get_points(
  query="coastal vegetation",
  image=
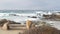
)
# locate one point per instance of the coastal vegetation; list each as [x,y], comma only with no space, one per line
[42,30]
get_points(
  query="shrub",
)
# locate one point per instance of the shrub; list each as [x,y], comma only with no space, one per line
[42,30]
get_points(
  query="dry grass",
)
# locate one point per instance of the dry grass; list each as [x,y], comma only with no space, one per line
[42,30]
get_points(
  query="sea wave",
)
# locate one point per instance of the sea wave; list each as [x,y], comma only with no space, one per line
[17,17]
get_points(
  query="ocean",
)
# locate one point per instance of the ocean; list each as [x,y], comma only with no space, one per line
[18,15]
[17,11]
[25,11]
[20,12]
[21,16]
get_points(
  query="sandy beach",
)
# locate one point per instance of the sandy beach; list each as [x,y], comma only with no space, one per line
[14,29]
[10,31]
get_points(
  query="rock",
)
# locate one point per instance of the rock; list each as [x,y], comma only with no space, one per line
[5,26]
[2,22]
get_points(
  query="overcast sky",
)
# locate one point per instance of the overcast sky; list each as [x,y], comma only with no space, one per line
[30,4]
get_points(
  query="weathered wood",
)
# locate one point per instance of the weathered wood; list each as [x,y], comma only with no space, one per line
[28,24]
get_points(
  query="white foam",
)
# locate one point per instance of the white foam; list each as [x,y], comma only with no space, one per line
[21,17]
[7,14]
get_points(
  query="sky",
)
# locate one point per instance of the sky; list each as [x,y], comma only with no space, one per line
[30,4]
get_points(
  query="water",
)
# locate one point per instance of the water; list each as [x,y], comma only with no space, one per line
[55,24]
[17,11]
[22,16]
[25,11]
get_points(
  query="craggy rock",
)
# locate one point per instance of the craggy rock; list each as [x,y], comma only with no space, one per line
[5,26]
[2,22]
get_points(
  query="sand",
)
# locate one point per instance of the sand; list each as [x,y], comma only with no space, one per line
[10,31]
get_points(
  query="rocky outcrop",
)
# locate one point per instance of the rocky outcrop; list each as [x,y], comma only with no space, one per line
[2,22]
[5,26]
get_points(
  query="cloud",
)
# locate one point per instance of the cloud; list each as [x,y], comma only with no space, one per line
[30,4]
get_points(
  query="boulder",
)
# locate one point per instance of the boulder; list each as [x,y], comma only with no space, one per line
[5,26]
